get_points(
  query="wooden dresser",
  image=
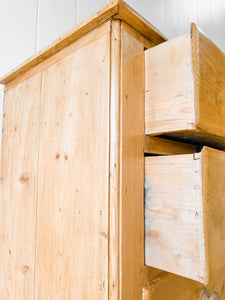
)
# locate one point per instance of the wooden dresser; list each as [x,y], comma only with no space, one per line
[79,151]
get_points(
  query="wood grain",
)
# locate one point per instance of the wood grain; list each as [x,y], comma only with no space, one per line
[208,67]
[170,286]
[82,42]
[126,254]
[131,164]
[170,225]
[72,213]
[89,229]
[185,90]
[213,170]
[169,103]
[18,189]
[140,24]
[161,146]
[114,183]
[69,37]
[174,220]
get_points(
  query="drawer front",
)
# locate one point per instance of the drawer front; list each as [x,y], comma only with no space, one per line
[185,89]
[184,214]
[174,231]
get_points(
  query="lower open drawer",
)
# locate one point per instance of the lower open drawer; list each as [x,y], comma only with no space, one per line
[185,214]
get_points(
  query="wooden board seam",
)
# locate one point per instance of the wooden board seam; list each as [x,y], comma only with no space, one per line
[114,160]
[38,153]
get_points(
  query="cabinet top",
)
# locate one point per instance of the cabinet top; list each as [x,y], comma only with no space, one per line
[116,9]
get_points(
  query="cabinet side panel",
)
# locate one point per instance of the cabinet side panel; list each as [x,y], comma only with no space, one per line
[72,223]
[18,189]
[132,164]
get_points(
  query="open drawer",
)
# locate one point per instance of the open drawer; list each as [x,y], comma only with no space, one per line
[185,90]
[185,214]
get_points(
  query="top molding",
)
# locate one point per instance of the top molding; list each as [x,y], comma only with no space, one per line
[116,9]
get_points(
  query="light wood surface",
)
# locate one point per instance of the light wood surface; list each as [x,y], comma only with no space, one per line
[184,213]
[174,230]
[18,190]
[169,286]
[169,87]
[126,163]
[115,8]
[114,183]
[72,210]
[209,66]
[213,168]
[91,193]
[185,83]
[131,224]
[161,146]
[69,37]
[127,14]
[79,44]
[85,194]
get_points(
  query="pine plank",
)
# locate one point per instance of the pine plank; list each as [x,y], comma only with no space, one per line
[131,164]
[114,181]
[184,216]
[72,211]
[185,84]
[174,229]
[18,189]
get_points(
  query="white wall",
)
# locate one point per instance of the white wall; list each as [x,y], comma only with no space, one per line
[26,26]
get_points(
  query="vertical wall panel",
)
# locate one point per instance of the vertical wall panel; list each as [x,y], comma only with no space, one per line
[140,6]
[204,16]
[55,17]
[170,17]
[186,13]
[218,23]
[156,14]
[87,7]
[17,32]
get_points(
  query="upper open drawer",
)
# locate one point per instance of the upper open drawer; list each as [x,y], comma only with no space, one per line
[185,89]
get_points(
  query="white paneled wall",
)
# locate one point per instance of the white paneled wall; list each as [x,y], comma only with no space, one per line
[87,7]
[27,26]
[54,17]
[18,32]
